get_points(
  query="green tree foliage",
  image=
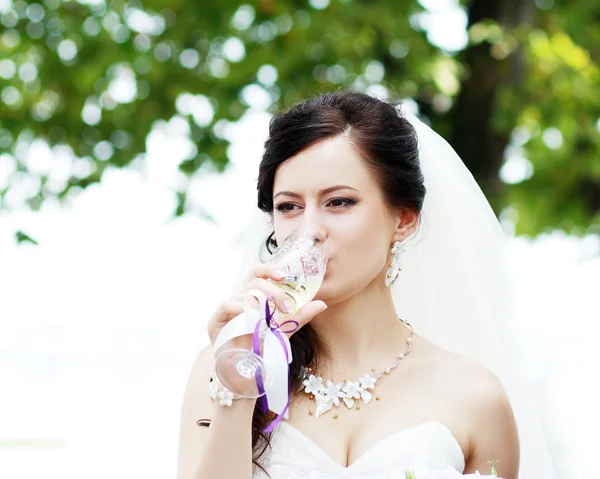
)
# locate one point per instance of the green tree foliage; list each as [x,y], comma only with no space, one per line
[519,102]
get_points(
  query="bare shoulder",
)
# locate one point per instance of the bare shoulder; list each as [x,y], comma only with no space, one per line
[473,385]
[480,400]
[469,377]
[493,428]
[479,388]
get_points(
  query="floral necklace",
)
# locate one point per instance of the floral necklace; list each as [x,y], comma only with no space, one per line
[350,392]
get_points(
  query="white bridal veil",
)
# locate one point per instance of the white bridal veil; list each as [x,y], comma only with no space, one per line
[454,285]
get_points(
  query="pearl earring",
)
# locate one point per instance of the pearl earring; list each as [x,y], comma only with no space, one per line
[395,265]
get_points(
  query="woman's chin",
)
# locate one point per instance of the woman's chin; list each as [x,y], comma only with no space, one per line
[326,293]
[321,294]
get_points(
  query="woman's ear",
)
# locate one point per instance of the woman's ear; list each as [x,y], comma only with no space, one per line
[407,220]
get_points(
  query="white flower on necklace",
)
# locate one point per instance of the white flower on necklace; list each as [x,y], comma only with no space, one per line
[313,384]
[333,392]
[367,381]
[353,391]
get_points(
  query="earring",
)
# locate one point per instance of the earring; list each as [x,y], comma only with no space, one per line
[395,264]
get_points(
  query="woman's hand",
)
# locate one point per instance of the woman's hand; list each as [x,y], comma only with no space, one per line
[258,279]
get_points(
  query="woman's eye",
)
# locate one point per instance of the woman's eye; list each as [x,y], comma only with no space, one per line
[284,207]
[335,203]
[341,202]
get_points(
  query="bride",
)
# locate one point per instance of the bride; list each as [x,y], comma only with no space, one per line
[415,294]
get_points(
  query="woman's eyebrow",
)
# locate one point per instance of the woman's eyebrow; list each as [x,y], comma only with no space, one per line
[321,193]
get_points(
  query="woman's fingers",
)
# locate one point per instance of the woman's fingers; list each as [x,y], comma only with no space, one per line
[223,314]
[281,298]
[230,308]
[264,271]
[307,312]
[262,277]
[303,316]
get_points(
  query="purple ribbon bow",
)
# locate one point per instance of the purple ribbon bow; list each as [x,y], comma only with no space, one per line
[277,330]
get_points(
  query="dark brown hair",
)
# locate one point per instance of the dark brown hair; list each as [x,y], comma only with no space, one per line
[387,143]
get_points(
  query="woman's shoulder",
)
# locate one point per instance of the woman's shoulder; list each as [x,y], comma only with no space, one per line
[449,362]
[469,381]
[474,397]
[472,385]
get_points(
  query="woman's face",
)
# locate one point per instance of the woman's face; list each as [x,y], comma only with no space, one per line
[328,186]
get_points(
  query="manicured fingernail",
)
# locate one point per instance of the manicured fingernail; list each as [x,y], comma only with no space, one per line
[287,305]
[278,272]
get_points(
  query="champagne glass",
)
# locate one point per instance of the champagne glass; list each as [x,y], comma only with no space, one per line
[302,260]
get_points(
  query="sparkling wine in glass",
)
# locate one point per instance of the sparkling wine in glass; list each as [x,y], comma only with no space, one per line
[302,261]
[301,258]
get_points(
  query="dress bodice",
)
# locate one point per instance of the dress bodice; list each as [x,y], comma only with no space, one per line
[423,447]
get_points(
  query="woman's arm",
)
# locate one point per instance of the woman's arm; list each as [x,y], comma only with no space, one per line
[494,430]
[223,450]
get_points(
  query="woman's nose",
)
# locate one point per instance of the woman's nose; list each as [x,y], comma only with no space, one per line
[312,218]
[318,231]
[313,221]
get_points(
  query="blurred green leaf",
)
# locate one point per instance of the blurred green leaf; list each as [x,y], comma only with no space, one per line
[95,79]
[24,238]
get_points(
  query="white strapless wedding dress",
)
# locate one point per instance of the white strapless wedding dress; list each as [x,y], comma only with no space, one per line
[421,448]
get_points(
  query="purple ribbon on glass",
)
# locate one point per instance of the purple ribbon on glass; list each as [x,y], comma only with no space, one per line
[270,341]
[276,329]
